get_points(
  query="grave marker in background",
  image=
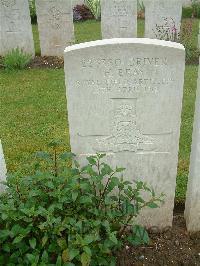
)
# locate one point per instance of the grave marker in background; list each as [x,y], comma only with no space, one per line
[192,209]
[55,24]
[118,19]
[124,99]
[163,19]
[15,26]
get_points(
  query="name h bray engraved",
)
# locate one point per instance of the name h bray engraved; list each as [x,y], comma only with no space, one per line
[125,83]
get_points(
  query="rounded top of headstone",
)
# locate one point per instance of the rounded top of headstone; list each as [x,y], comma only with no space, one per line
[142,41]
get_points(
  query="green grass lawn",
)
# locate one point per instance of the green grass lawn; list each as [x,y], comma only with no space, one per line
[33,108]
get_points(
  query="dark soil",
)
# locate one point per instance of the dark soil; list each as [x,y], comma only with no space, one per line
[174,246]
[52,62]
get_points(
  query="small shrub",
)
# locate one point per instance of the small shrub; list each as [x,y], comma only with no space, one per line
[95,8]
[70,215]
[16,59]
[82,12]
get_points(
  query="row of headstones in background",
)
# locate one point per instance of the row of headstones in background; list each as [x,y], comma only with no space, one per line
[162,18]
[118,19]
[2,168]
[55,22]
[15,26]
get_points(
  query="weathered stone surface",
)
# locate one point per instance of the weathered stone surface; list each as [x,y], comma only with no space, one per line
[163,19]
[192,206]
[77,2]
[124,99]
[55,24]
[118,18]
[2,168]
[15,26]
[185,3]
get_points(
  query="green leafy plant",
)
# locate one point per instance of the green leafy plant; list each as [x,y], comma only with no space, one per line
[95,8]
[71,215]
[16,59]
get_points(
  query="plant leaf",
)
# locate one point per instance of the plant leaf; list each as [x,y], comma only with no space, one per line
[32,243]
[85,259]
[65,255]
[152,205]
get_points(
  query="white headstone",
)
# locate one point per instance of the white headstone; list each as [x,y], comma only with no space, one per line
[55,24]
[2,168]
[124,99]
[192,207]
[118,19]
[163,19]
[15,26]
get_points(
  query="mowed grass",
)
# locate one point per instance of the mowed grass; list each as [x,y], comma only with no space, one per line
[33,108]
[33,112]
